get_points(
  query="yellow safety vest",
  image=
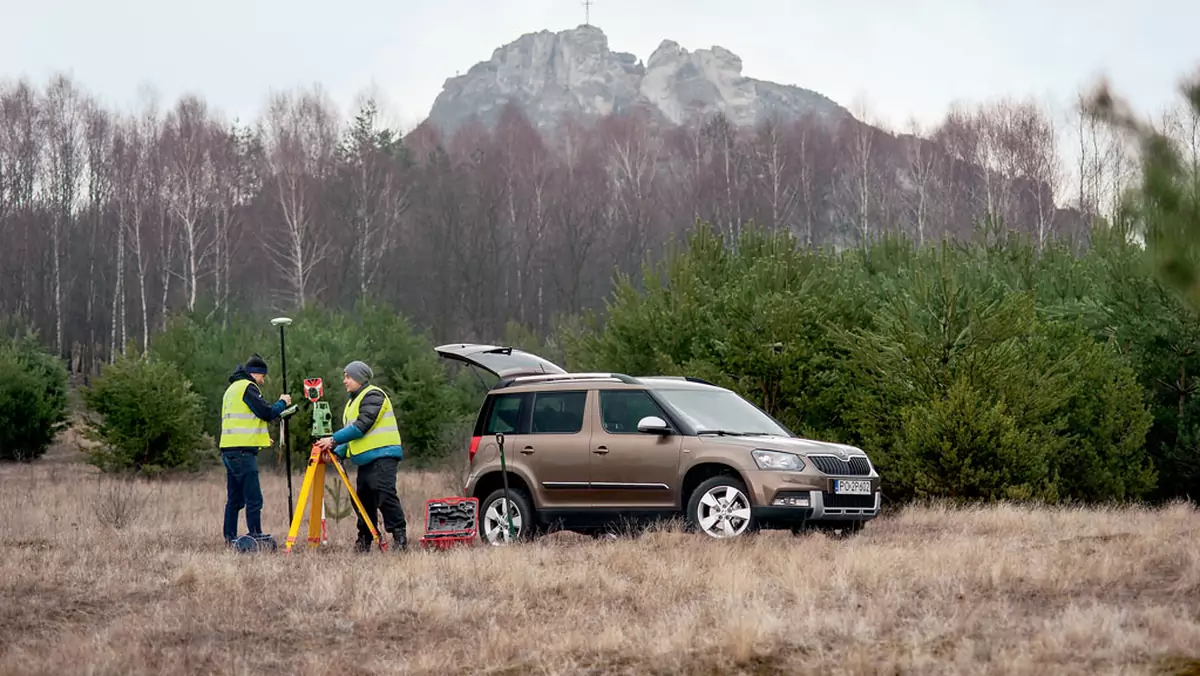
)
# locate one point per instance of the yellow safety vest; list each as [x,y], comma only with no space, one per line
[239,425]
[384,432]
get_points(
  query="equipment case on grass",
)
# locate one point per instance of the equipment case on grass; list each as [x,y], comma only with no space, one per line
[450,522]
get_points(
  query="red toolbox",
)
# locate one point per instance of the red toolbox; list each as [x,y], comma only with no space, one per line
[450,522]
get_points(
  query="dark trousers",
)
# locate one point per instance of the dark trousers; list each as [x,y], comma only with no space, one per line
[376,488]
[242,490]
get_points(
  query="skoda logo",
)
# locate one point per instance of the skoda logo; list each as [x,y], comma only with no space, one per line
[839,453]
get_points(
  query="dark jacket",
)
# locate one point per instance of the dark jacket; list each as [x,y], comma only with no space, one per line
[368,410]
[254,399]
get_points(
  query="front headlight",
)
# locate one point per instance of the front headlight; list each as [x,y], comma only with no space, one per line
[777,460]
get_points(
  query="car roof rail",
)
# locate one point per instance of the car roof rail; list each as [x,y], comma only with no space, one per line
[551,377]
[689,379]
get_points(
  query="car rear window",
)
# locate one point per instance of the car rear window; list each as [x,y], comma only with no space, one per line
[505,414]
[558,412]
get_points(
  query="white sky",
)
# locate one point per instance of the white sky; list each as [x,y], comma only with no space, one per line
[909,58]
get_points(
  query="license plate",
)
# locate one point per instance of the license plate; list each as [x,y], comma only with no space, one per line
[851,487]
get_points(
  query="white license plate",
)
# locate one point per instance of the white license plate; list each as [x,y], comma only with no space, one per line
[851,487]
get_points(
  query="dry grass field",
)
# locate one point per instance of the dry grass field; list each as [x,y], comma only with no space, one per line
[923,591]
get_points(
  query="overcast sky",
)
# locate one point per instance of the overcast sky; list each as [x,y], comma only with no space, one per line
[909,58]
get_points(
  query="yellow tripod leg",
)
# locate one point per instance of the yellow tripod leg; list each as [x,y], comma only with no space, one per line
[318,500]
[305,487]
[361,510]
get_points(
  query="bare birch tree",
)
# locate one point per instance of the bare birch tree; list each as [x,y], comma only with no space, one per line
[921,180]
[632,163]
[126,149]
[300,140]
[22,134]
[1105,164]
[857,175]
[235,185]
[98,140]
[806,139]
[142,200]
[65,110]
[378,193]
[1038,164]
[188,139]
[776,172]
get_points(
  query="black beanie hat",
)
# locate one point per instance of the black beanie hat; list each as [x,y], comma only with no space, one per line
[255,364]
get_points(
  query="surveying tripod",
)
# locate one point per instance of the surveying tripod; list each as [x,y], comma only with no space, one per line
[314,476]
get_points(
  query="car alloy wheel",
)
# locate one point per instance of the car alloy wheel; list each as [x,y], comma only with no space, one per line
[723,512]
[495,522]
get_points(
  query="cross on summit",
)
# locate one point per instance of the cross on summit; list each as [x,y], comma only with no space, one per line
[587,12]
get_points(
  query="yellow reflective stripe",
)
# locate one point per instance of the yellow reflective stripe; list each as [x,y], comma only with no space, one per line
[375,431]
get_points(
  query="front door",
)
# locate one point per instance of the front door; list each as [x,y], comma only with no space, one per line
[631,469]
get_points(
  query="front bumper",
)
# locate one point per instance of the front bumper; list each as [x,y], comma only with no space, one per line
[787,499]
[819,509]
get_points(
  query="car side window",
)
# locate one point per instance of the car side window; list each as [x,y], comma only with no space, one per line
[505,414]
[558,412]
[621,410]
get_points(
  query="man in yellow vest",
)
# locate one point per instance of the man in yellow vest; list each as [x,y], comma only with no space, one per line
[371,439]
[244,418]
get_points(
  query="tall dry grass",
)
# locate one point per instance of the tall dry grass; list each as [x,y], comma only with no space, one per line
[929,591]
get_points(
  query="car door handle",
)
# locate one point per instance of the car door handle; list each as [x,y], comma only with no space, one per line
[600,450]
[528,450]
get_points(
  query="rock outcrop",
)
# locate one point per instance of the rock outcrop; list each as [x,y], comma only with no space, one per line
[574,72]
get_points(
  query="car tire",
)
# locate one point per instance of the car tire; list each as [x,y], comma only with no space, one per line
[707,505]
[492,525]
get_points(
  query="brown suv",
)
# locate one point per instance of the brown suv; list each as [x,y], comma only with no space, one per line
[588,451]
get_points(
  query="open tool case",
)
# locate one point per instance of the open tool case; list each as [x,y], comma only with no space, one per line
[450,522]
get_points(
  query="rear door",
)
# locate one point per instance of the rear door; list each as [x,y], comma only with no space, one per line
[631,469]
[500,361]
[557,447]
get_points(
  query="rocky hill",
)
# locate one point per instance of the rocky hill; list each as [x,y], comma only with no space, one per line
[851,177]
[574,72]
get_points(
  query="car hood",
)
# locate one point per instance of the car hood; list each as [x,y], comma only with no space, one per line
[788,444]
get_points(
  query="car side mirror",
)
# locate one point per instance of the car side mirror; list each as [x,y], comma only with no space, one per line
[653,424]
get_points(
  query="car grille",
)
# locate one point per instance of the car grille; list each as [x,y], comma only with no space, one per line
[856,466]
[834,500]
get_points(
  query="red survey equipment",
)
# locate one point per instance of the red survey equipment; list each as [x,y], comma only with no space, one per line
[313,389]
[450,522]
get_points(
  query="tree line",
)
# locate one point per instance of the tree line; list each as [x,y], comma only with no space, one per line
[114,221]
[995,366]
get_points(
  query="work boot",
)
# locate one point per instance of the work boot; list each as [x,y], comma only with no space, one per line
[363,546]
[400,540]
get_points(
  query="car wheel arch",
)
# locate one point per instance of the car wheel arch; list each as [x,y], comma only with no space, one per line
[703,471]
[494,479]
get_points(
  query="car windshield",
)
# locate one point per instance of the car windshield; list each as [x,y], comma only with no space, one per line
[720,411]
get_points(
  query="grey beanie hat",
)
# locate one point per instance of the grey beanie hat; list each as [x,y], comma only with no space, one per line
[359,371]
